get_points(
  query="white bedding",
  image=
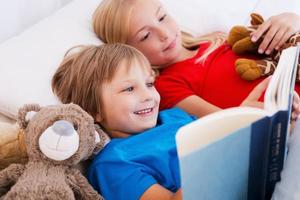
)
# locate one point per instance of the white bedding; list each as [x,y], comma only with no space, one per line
[17,15]
[28,60]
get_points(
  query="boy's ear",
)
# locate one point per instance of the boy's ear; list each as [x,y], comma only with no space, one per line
[98,118]
[101,139]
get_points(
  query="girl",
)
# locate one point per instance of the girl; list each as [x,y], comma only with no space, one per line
[196,74]
[115,84]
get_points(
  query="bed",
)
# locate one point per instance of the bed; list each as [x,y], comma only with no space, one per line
[30,57]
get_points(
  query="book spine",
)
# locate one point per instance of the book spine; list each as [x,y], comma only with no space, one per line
[277,150]
[260,132]
[267,152]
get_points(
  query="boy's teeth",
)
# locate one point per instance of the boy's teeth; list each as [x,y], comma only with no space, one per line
[144,111]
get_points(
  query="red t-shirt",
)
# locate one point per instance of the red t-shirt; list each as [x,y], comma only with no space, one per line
[215,80]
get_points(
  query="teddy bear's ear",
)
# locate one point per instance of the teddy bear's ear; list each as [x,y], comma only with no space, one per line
[23,112]
[256,19]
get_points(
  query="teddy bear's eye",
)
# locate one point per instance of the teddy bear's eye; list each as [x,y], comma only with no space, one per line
[75,127]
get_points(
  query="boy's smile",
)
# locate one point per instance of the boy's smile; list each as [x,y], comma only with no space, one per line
[145,112]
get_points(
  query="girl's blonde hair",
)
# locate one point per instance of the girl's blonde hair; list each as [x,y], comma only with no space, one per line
[81,74]
[111,24]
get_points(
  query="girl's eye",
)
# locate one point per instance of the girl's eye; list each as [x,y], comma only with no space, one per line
[163,17]
[145,37]
[150,84]
[129,89]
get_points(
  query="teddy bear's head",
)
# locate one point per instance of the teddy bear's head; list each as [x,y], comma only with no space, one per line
[60,134]
[239,37]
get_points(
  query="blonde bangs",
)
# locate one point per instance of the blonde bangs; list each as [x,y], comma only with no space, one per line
[111,26]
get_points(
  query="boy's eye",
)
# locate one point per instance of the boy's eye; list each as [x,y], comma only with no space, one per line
[163,17]
[145,37]
[129,89]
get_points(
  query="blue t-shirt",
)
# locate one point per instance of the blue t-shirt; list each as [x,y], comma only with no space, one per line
[127,167]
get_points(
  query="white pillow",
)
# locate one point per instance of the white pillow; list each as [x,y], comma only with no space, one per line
[270,7]
[205,16]
[28,61]
[17,15]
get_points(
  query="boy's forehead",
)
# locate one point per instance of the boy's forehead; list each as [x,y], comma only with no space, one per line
[137,63]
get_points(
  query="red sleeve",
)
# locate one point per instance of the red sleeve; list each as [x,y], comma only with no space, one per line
[181,80]
[172,90]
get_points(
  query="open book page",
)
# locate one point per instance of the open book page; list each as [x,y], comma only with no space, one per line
[218,125]
[280,90]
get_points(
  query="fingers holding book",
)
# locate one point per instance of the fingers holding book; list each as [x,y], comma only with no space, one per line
[295,110]
[252,99]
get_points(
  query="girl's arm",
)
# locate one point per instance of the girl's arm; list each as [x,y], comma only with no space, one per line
[278,29]
[195,105]
[157,191]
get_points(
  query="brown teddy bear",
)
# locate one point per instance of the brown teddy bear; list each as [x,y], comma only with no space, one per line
[240,41]
[57,138]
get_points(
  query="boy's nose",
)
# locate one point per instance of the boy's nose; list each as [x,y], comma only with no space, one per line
[146,95]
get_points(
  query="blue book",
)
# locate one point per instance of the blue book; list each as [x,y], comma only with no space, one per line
[238,153]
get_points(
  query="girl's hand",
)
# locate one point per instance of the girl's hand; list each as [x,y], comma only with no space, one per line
[277,29]
[252,99]
[295,107]
[295,111]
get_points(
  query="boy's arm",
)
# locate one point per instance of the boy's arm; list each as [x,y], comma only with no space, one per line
[157,191]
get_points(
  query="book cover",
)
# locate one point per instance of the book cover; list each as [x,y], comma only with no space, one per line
[238,153]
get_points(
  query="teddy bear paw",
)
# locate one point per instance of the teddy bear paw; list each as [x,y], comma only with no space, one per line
[247,69]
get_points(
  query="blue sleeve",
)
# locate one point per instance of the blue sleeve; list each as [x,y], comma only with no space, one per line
[121,180]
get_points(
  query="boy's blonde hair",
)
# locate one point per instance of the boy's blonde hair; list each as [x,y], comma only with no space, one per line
[81,74]
[111,24]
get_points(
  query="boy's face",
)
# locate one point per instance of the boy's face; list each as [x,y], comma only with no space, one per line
[154,33]
[130,101]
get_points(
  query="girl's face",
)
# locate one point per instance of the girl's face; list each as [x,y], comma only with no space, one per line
[154,33]
[130,101]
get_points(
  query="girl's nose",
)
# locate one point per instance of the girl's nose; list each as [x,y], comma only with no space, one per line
[163,34]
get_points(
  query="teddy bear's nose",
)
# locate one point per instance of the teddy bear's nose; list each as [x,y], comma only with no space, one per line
[63,128]
[59,141]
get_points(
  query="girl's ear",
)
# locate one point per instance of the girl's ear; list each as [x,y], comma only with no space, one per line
[22,121]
